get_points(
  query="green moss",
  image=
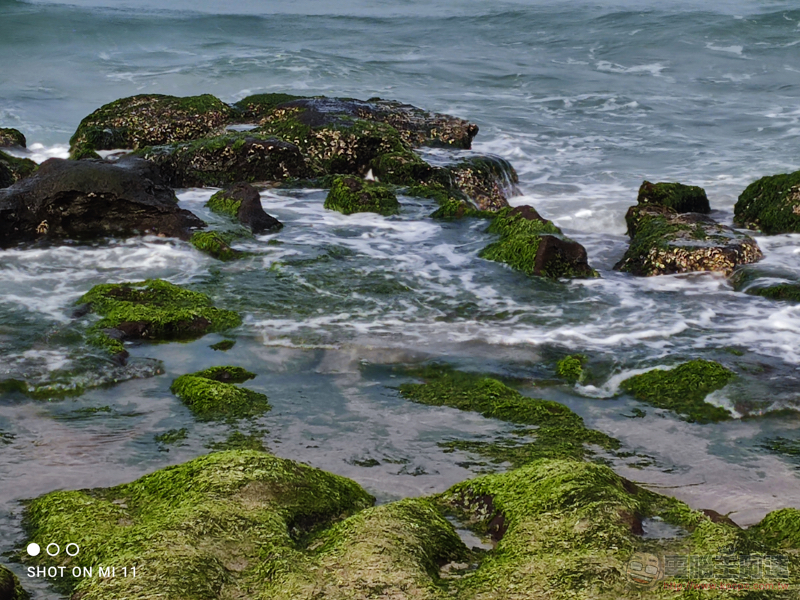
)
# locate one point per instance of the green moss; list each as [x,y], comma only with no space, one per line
[771,204]
[173,436]
[783,291]
[228,520]
[84,151]
[240,441]
[559,431]
[390,551]
[350,195]
[226,374]
[210,394]
[259,105]
[683,389]
[509,224]
[571,368]
[12,169]
[153,310]
[10,587]
[213,244]
[224,204]
[517,251]
[11,137]
[779,529]
[783,447]
[223,346]
[679,197]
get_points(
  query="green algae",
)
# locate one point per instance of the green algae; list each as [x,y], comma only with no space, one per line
[783,447]
[782,291]
[214,244]
[677,196]
[402,168]
[517,251]
[779,529]
[240,441]
[153,310]
[171,437]
[683,389]
[571,368]
[224,204]
[771,204]
[225,523]
[223,346]
[211,394]
[350,195]
[257,106]
[12,169]
[559,431]
[10,587]
[507,223]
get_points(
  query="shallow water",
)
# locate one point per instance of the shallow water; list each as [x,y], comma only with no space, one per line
[585,100]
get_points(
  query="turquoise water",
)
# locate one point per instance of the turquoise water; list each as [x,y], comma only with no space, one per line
[586,100]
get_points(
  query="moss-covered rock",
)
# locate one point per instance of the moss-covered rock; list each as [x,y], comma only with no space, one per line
[677,196]
[350,195]
[12,169]
[570,368]
[89,199]
[533,245]
[486,180]
[242,202]
[226,159]
[665,242]
[781,291]
[10,588]
[150,120]
[223,525]
[559,432]
[683,389]
[211,394]
[151,310]
[771,204]
[214,244]
[11,137]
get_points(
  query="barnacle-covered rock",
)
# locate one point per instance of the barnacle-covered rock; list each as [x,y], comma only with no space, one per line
[11,137]
[242,202]
[771,204]
[226,159]
[664,242]
[12,169]
[532,244]
[149,120]
[89,199]
[350,195]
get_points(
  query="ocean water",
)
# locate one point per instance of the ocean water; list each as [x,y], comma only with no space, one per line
[586,99]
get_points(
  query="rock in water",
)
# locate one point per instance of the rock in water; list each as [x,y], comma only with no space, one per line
[771,204]
[350,195]
[12,169]
[243,203]
[10,589]
[681,198]
[89,199]
[533,245]
[11,137]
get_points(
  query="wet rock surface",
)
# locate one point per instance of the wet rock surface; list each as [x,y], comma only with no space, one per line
[770,204]
[10,138]
[242,202]
[12,169]
[90,199]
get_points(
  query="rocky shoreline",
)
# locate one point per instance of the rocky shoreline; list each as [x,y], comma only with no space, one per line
[247,524]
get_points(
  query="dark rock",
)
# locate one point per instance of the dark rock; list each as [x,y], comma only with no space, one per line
[243,203]
[11,137]
[350,195]
[12,169]
[226,159]
[90,199]
[560,257]
[679,197]
[771,204]
[665,242]
[150,120]
[486,180]
[10,588]
[716,517]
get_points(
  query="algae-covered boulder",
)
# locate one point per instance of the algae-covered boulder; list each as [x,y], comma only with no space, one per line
[150,120]
[151,310]
[12,169]
[211,394]
[665,242]
[677,196]
[771,204]
[683,389]
[559,433]
[767,282]
[91,199]
[533,245]
[225,525]
[242,202]
[10,588]
[351,195]
[226,159]
[11,137]
[486,180]
[214,244]
[416,127]
[571,369]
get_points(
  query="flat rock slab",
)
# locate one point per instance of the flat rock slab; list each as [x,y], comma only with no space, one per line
[89,199]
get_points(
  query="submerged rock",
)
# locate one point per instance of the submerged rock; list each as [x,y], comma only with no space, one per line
[10,588]
[211,394]
[214,244]
[486,180]
[771,204]
[571,369]
[151,310]
[12,169]
[683,389]
[91,199]
[226,159]
[775,284]
[532,244]
[11,137]
[242,202]
[677,196]
[149,120]
[351,195]
[665,242]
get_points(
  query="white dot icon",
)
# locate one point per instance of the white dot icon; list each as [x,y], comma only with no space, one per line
[33,549]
